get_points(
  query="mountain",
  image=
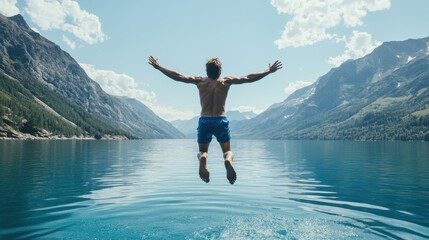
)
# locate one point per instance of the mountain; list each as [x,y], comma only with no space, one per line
[238,116]
[381,96]
[152,124]
[57,82]
[189,127]
[14,98]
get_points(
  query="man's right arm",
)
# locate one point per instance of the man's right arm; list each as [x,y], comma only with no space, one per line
[172,74]
[254,76]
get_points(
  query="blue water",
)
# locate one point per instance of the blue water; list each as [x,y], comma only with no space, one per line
[150,189]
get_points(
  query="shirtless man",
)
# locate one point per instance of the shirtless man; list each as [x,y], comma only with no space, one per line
[213,91]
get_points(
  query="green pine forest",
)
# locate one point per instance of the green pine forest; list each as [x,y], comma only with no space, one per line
[20,111]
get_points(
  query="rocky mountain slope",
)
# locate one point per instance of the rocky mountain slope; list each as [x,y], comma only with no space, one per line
[53,77]
[382,96]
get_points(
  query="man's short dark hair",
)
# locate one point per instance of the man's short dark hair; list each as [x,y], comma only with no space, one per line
[213,68]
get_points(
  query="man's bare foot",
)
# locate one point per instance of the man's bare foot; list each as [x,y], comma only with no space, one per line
[204,172]
[230,172]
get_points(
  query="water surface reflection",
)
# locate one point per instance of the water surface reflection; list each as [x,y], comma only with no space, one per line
[151,189]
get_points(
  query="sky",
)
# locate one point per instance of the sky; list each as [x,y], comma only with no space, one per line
[112,41]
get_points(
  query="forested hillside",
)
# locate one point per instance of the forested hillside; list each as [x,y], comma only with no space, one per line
[52,79]
[22,112]
[381,96]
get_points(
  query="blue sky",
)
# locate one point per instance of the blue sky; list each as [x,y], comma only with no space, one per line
[113,39]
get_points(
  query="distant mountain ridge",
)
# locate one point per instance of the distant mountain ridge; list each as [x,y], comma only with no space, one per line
[56,79]
[381,96]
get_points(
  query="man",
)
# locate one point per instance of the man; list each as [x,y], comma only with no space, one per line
[213,91]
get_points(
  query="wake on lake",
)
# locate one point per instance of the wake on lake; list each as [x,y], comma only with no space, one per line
[150,189]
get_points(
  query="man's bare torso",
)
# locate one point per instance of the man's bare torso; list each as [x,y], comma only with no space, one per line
[213,95]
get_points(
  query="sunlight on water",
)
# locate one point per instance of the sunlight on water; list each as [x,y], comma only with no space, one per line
[150,189]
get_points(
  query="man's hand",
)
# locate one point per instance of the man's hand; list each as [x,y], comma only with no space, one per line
[154,62]
[276,66]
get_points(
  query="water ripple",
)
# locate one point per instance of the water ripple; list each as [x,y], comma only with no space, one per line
[150,189]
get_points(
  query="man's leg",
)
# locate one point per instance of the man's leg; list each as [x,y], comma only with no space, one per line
[228,157]
[202,157]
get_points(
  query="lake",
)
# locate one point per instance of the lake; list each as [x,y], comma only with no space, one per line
[150,189]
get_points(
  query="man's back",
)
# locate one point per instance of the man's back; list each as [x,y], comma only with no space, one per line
[213,94]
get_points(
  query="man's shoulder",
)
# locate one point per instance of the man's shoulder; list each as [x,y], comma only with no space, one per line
[226,80]
[211,80]
[208,80]
[223,81]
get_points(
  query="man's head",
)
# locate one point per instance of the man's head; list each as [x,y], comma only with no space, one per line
[213,68]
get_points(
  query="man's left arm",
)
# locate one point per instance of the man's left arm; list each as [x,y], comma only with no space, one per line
[172,74]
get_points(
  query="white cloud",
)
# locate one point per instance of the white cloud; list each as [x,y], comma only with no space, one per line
[66,15]
[311,19]
[124,85]
[69,42]
[8,7]
[171,114]
[359,44]
[118,84]
[292,87]
[247,109]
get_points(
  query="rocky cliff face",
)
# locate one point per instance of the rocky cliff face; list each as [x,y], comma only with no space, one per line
[382,96]
[33,60]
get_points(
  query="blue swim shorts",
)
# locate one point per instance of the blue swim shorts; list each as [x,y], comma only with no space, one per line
[209,126]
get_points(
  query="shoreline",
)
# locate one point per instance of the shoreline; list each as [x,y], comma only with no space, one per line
[12,134]
[29,138]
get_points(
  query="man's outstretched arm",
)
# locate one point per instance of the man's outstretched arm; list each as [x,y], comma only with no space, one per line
[254,76]
[172,74]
